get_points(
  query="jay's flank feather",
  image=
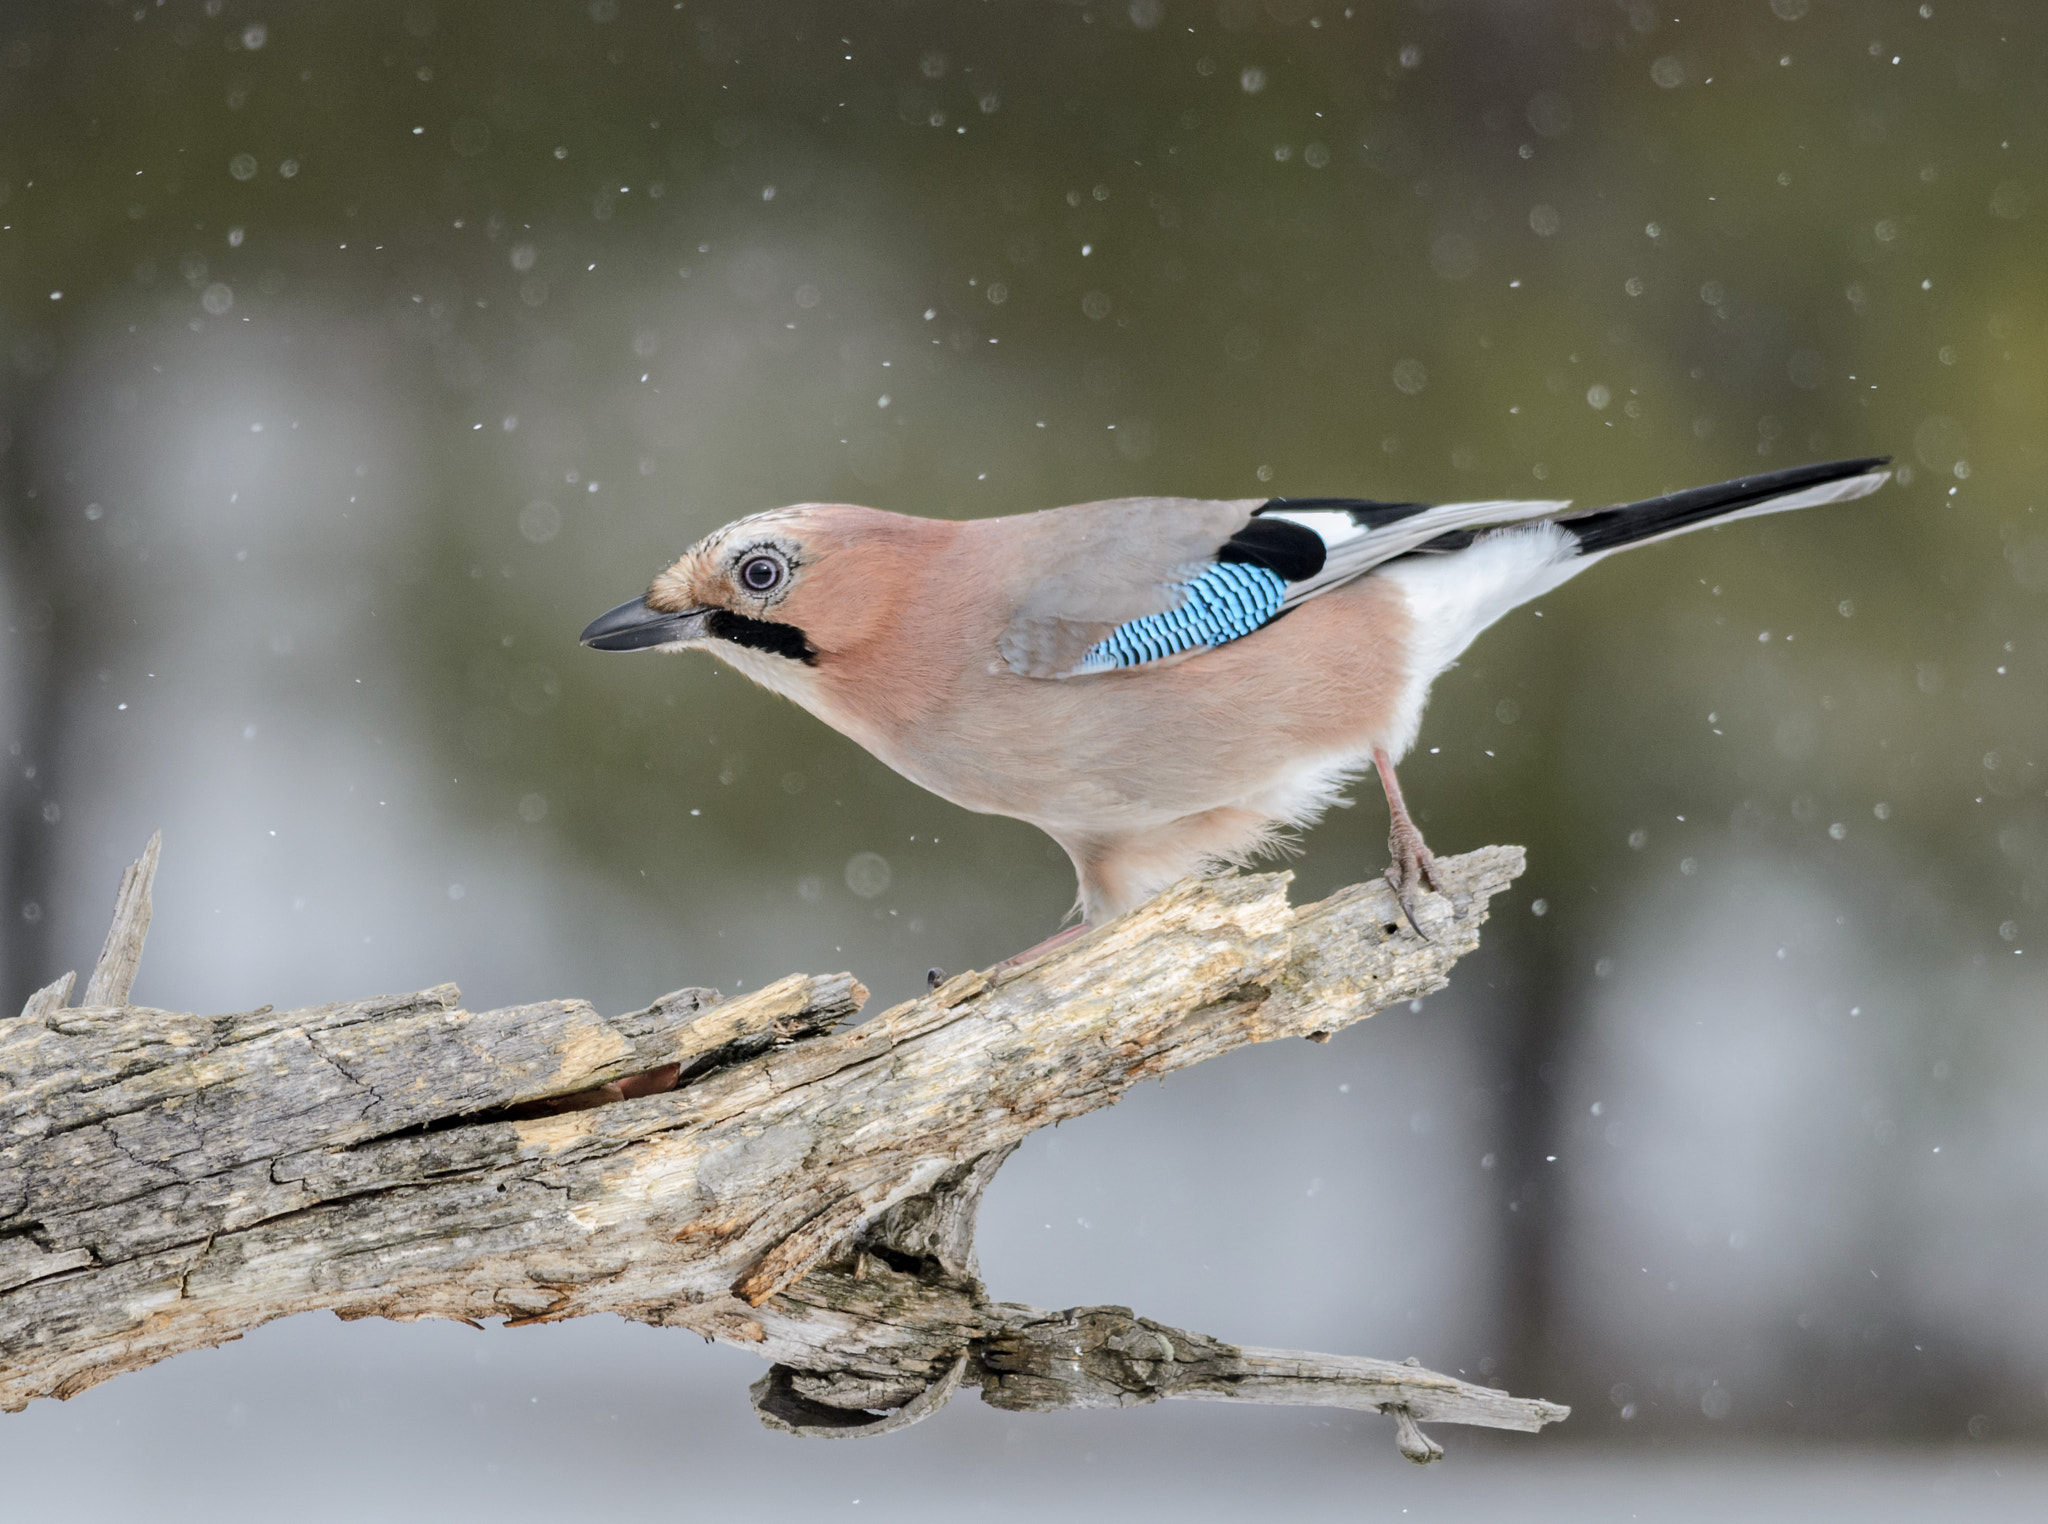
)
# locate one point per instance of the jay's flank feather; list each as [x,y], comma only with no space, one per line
[1159,684]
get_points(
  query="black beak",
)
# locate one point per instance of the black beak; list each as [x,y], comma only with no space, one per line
[634,627]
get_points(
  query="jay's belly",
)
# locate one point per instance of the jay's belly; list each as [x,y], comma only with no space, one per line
[1249,723]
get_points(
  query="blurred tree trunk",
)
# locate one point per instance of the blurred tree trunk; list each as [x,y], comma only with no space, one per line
[1538,1041]
[1534,1068]
[35,686]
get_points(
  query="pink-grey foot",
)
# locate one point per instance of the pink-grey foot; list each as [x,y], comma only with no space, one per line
[1057,940]
[1413,865]
[627,1088]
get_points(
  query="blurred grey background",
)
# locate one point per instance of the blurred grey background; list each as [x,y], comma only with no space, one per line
[353,356]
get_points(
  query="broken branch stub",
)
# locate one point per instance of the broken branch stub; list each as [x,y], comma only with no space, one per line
[807,1189]
[113,976]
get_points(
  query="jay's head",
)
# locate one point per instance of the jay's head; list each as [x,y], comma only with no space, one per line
[772,593]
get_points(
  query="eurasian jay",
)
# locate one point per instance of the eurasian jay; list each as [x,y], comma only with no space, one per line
[1159,684]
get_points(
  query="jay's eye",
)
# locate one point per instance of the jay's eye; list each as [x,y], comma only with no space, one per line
[761,574]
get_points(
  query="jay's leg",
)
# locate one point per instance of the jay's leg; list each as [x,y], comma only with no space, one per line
[1413,862]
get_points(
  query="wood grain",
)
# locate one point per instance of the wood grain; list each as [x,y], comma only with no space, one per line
[168,1181]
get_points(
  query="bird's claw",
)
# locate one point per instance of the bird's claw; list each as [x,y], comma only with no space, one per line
[1414,866]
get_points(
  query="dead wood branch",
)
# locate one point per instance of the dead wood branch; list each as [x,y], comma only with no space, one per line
[809,1190]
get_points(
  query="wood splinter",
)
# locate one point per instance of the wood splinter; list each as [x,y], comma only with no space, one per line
[807,1191]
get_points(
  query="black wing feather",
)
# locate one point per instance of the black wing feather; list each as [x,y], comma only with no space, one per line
[1292,551]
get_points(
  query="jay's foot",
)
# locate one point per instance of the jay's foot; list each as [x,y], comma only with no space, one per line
[1414,865]
[1059,939]
[631,1087]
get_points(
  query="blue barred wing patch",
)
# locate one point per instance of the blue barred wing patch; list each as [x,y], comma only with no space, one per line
[1229,600]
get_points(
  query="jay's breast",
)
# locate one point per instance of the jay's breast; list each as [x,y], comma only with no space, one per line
[1136,747]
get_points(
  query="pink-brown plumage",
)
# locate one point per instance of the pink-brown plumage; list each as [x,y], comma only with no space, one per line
[953,650]
[1141,775]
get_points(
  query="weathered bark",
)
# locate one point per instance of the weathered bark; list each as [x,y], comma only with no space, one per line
[169,1181]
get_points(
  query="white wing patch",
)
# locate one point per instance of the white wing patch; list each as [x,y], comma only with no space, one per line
[1332,525]
[1355,550]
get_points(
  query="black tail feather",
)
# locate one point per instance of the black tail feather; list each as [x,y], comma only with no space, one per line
[1597,530]
[1610,528]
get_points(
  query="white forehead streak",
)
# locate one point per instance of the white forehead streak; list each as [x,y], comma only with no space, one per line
[751,525]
